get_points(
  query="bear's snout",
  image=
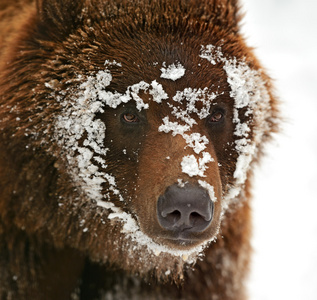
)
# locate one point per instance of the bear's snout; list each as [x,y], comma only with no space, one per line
[184,210]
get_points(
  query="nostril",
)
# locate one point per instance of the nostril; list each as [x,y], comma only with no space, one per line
[172,217]
[196,217]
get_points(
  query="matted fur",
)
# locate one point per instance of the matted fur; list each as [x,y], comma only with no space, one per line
[58,243]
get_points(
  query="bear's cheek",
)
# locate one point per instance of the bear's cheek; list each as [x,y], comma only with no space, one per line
[173,208]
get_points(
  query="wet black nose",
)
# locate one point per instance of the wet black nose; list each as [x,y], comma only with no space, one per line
[185,208]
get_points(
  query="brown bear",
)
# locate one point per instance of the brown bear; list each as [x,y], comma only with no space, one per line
[128,132]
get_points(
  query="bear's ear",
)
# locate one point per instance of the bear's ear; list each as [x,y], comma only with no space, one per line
[229,12]
[58,18]
[223,13]
[234,11]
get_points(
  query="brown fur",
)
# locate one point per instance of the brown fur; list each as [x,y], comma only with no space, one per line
[44,251]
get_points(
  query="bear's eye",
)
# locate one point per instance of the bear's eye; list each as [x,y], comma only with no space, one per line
[130,118]
[216,117]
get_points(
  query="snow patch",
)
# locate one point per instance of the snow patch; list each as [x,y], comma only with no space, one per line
[192,167]
[173,72]
[184,105]
[181,183]
[175,127]
[209,188]
[190,97]
[249,93]
[196,141]
[133,231]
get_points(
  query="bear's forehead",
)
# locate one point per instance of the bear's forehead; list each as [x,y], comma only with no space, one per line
[174,76]
[175,85]
[150,58]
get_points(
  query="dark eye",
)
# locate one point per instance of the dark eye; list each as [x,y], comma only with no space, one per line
[216,117]
[130,118]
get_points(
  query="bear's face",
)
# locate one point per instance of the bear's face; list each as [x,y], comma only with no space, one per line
[162,145]
[148,151]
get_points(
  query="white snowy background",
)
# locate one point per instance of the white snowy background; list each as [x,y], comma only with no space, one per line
[284,33]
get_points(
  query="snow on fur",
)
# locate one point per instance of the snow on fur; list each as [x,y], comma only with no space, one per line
[78,121]
[172,72]
[248,91]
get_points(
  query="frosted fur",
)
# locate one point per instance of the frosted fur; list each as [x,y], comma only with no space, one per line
[157,92]
[91,96]
[173,127]
[193,167]
[172,72]
[248,91]
[209,188]
[194,140]
[133,231]
[189,98]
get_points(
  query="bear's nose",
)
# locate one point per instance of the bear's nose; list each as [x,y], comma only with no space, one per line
[187,208]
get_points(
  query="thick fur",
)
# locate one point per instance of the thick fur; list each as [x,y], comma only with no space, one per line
[55,243]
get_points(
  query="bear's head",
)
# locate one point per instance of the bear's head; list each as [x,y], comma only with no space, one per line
[131,130]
